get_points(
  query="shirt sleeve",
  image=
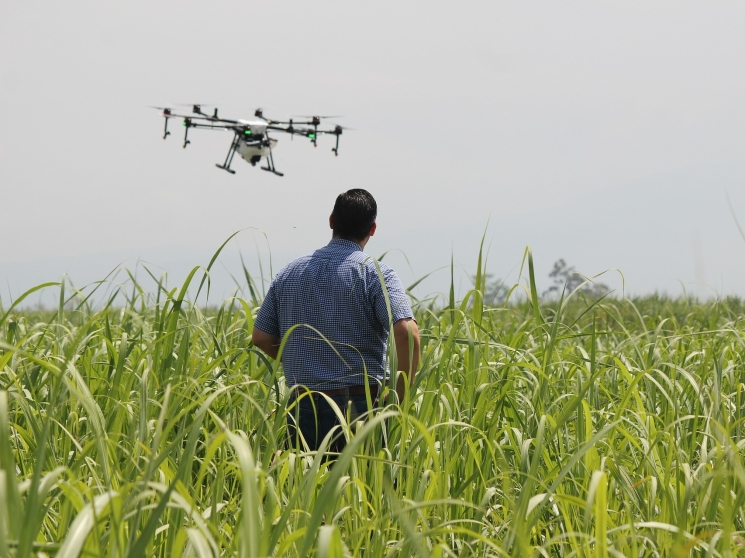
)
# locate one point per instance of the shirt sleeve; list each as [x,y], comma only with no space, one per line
[267,319]
[400,306]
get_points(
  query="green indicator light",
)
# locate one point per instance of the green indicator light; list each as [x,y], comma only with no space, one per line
[247,132]
[311,136]
[184,123]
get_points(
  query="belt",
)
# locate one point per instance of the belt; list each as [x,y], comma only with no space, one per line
[346,391]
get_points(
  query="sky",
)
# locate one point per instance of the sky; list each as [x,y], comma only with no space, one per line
[607,134]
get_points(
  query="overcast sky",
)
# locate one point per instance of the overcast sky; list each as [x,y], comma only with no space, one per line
[606,134]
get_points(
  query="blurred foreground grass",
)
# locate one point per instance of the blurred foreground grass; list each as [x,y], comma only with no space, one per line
[572,428]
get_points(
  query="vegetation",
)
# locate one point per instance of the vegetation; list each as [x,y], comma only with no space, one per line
[566,280]
[577,427]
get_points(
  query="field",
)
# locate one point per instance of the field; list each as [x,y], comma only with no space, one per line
[151,427]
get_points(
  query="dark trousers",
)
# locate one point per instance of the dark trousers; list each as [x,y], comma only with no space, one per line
[314,418]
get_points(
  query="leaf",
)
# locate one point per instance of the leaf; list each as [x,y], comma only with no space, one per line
[83,523]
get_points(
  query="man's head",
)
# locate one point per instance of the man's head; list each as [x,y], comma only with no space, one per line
[354,215]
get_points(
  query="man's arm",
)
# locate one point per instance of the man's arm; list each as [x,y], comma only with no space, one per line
[405,350]
[266,342]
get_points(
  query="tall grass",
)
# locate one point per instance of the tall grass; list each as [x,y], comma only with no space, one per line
[151,427]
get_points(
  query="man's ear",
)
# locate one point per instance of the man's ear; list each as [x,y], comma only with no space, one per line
[331,221]
[373,228]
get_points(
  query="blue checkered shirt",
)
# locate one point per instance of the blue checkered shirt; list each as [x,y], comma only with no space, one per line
[336,291]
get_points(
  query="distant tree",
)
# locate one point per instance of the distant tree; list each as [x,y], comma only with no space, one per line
[567,279]
[495,292]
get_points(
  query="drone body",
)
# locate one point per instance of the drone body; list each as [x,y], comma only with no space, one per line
[250,137]
[248,148]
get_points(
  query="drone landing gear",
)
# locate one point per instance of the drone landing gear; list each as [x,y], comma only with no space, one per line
[270,165]
[231,171]
[229,159]
[270,160]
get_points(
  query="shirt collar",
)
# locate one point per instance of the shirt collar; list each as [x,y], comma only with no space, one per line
[344,243]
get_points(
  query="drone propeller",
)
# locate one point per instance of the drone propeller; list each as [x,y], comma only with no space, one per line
[282,121]
[316,116]
[259,113]
[196,108]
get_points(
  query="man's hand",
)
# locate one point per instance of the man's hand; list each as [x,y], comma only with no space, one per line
[407,353]
[267,343]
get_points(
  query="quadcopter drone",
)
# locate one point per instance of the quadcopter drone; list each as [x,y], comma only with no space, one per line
[251,137]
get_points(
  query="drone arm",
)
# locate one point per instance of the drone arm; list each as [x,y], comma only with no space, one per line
[281,128]
[211,126]
[336,132]
[202,126]
[203,117]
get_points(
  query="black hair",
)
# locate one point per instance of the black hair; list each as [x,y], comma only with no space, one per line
[354,214]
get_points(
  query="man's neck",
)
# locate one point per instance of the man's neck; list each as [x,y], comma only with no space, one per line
[360,243]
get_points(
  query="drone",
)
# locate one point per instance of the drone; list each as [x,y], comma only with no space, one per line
[251,137]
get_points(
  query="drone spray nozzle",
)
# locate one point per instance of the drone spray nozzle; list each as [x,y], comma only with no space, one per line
[187,124]
[166,113]
[337,132]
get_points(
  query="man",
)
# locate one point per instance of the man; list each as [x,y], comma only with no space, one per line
[335,298]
